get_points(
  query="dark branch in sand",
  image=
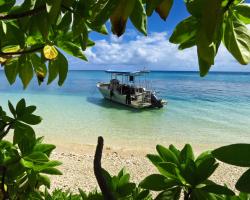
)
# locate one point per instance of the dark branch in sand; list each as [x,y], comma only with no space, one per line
[98,171]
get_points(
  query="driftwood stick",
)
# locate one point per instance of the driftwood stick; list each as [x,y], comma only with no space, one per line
[107,194]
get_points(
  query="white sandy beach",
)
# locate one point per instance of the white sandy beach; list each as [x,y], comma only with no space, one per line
[78,172]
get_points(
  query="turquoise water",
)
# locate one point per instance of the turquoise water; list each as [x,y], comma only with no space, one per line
[211,110]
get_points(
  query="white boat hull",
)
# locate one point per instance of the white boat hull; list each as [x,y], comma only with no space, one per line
[119,98]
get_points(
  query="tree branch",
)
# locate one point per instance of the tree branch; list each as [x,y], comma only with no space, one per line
[35,11]
[32,12]
[21,52]
[98,171]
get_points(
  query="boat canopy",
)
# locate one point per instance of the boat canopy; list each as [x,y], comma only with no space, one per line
[127,73]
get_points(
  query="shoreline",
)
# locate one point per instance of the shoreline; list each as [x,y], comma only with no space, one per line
[78,171]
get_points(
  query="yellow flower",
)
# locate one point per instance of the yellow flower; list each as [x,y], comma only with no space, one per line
[50,52]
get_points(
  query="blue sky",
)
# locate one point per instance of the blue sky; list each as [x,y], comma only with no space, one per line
[154,52]
[135,51]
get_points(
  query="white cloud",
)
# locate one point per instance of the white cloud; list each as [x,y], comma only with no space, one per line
[152,52]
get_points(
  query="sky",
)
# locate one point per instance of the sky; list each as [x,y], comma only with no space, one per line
[154,52]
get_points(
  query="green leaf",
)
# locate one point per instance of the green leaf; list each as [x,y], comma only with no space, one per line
[151,6]
[32,179]
[187,44]
[198,194]
[155,159]
[217,189]
[168,169]
[244,196]
[100,29]
[44,148]
[209,32]
[37,157]
[122,172]
[203,156]
[62,63]
[106,11]
[51,171]
[53,8]
[66,21]
[205,169]
[71,49]
[25,72]
[124,180]
[11,49]
[237,40]
[24,136]
[42,23]
[4,27]
[204,66]
[39,67]
[79,26]
[42,166]
[11,70]
[164,8]
[144,194]
[20,107]
[43,180]
[126,189]
[243,184]
[31,119]
[157,182]
[195,7]
[53,71]
[83,194]
[235,154]
[187,153]
[14,36]
[166,154]
[83,8]
[6,5]
[120,15]
[170,194]
[189,172]
[184,31]
[242,11]
[138,17]
[174,150]
[12,109]
[30,109]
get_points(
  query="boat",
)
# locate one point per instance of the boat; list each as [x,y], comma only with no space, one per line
[128,88]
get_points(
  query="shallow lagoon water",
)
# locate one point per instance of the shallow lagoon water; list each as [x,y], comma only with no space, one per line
[202,111]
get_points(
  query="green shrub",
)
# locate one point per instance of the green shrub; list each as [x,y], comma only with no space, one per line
[24,161]
[238,155]
[180,172]
[122,188]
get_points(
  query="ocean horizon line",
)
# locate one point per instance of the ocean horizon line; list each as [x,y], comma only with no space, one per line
[169,71]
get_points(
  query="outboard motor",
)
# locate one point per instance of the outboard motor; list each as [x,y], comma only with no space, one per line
[156,102]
